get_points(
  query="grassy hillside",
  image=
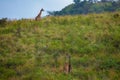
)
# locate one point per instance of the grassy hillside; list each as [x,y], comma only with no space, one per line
[36,50]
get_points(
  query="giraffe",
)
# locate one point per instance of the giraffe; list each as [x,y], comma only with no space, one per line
[67,66]
[38,17]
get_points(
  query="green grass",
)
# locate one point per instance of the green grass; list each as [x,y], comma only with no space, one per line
[36,50]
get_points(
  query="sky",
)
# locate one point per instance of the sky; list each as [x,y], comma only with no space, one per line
[17,9]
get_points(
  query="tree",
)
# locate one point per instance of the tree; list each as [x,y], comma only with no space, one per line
[88,6]
[76,1]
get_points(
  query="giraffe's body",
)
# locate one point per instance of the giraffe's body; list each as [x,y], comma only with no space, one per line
[67,66]
[38,17]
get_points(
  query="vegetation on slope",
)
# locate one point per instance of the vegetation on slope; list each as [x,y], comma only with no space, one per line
[89,6]
[36,50]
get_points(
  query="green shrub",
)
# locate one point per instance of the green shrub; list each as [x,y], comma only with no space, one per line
[110,63]
[3,22]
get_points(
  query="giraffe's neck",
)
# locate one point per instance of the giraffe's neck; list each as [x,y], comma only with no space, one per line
[40,14]
[68,59]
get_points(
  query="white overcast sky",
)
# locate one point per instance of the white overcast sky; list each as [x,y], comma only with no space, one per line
[29,8]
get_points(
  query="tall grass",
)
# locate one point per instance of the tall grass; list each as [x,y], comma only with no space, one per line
[37,50]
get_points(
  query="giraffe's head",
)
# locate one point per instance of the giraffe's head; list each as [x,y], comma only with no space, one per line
[42,9]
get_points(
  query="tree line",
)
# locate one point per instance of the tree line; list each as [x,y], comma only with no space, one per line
[88,6]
